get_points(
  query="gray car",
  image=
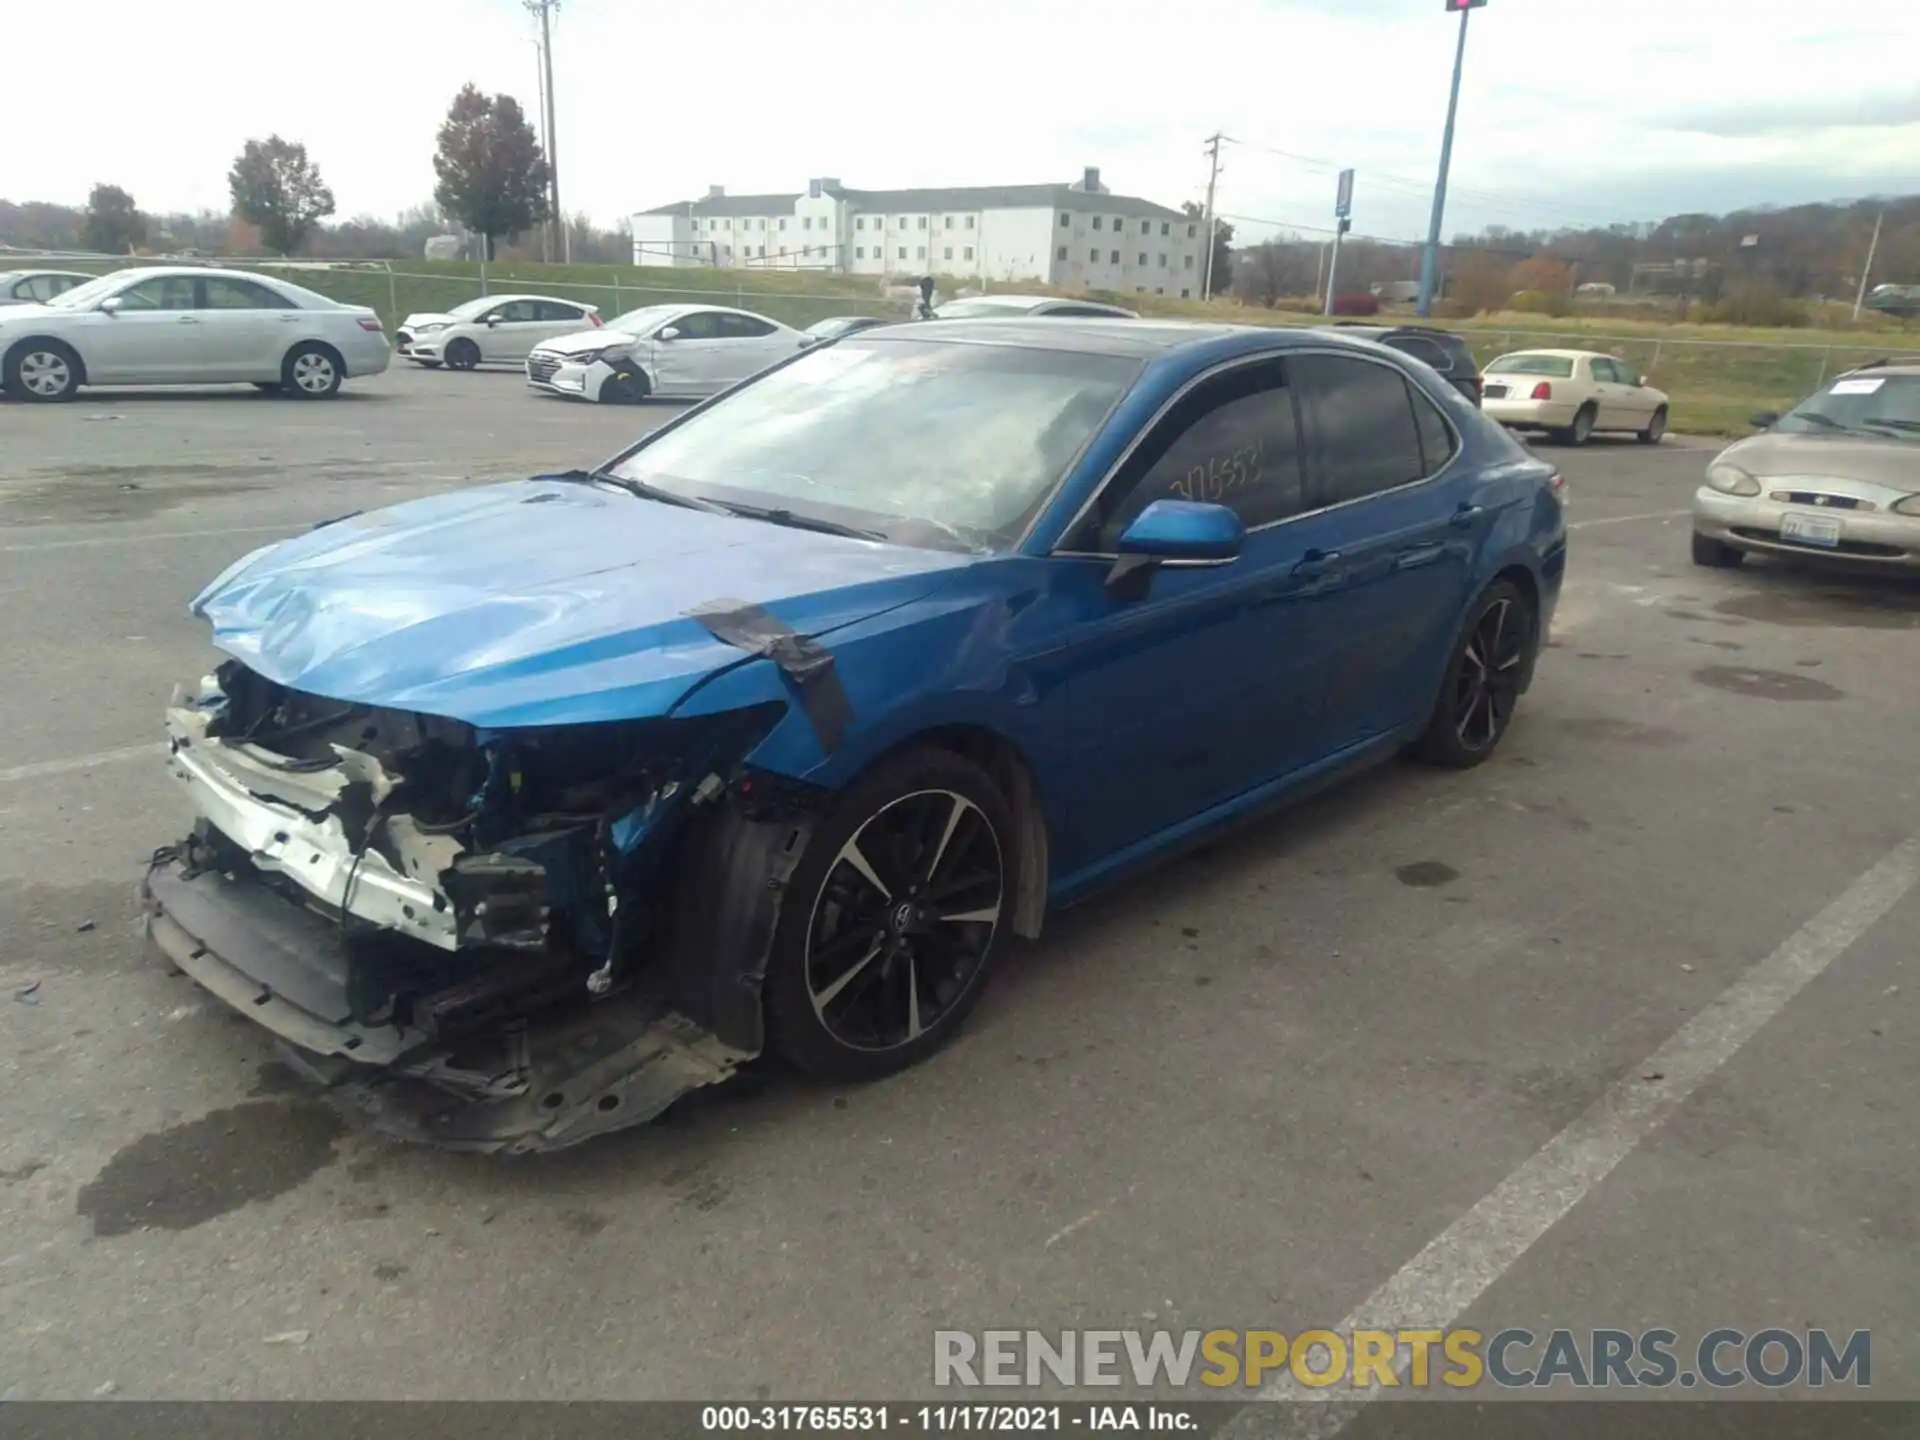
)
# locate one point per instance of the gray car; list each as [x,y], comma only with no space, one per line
[1836,479]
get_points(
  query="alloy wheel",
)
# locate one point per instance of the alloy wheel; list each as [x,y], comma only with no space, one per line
[313,373]
[904,920]
[45,372]
[1487,684]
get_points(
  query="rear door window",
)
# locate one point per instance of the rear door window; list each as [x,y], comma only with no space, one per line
[1361,433]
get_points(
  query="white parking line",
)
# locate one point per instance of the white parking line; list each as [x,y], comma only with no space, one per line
[79,762]
[1625,519]
[1463,1261]
[285,527]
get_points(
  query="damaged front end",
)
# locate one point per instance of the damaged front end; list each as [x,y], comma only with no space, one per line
[489,939]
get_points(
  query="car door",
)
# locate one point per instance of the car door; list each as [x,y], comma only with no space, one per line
[1638,400]
[151,338]
[1401,529]
[509,331]
[1200,689]
[245,328]
[1613,400]
[685,361]
[747,345]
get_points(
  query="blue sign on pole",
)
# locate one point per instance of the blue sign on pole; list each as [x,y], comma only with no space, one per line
[1343,198]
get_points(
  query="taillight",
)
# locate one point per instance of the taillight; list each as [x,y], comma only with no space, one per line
[594,320]
[369,322]
[1543,391]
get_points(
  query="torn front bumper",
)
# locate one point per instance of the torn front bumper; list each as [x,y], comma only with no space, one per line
[534,1083]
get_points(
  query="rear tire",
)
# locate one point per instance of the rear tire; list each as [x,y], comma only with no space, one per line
[42,372]
[312,371]
[894,918]
[1656,428]
[1485,675]
[462,354]
[1581,430]
[1715,554]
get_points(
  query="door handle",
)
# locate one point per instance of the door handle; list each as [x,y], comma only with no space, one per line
[189,320]
[1418,555]
[1316,562]
[1465,516]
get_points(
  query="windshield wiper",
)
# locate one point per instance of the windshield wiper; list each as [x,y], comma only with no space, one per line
[799,522]
[1891,423]
[638,488]
[1817,418]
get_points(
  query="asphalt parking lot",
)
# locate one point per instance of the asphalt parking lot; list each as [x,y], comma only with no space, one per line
[1247,1091]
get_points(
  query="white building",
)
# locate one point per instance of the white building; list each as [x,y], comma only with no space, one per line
[1078,236]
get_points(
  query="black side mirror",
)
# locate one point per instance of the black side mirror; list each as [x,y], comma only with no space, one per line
[1766,419]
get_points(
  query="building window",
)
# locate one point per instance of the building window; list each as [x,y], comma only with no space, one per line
[1143,259]
[1186,294]
[1096,222]
[783,222]
[947,254]
[1116,257]
[949,222]
[1146,227]
[860,222]
[859,252]
[1159,289]
[1061,254]
[696,227]
[1186,262]
[1163,262]
[970,221]
[1192,230]
[1163,228]
[1063,222]
[903,252]
[967,254]
[1094,256]
[921,253]
[1139,289]
[923,222]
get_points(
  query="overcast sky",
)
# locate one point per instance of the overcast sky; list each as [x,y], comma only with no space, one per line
[1572,111]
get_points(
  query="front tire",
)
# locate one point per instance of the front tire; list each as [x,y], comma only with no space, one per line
[462,354]
[312,372]
[1485,675]
[43,372]
[1715,554]
[624,387]
[1656,428]
[895,915]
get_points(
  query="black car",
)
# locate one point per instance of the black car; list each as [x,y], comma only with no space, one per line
[836,326]
[1447,353]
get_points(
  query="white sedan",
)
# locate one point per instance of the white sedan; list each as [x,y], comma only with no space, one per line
[672,351]
[1572,393]
[36,287]
[180,326]
[490,329]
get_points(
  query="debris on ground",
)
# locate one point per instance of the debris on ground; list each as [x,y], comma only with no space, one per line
[28,994]
[289,1337]
[83,927]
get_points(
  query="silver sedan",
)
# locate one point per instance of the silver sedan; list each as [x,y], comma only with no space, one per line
[1836,480]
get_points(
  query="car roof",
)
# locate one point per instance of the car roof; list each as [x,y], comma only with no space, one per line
[1144,339]
[74,274]
[1884,367]
[1563,354]
[556,299]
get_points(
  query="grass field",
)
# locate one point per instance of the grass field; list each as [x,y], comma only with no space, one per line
[1717,375]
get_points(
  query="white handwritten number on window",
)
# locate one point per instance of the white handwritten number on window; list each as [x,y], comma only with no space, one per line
[1221,475]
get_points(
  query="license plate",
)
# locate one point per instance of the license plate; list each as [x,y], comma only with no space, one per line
[1810,530]
[1496,392]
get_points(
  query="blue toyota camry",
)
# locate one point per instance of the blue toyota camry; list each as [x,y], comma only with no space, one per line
[525,809]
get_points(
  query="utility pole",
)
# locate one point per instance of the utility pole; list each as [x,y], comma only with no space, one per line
[563,235]
[540,80]
[1867,274]
[1430,257]
[1213,177]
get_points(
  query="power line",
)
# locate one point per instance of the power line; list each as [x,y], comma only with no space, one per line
[1316,229]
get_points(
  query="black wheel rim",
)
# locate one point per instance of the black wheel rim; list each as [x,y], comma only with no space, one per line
[904,920]
[1487,682]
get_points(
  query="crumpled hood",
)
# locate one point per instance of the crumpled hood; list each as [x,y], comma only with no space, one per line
[581,341]
[426,317]
[1889,462]
[536,602]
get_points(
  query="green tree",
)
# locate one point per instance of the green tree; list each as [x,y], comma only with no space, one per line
[1222,246]
[278,190]
[493,176]
[112,225]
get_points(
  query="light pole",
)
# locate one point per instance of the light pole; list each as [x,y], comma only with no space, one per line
[1873,248]
[1430,257]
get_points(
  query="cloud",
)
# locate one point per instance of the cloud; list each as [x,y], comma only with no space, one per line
[1795,115]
